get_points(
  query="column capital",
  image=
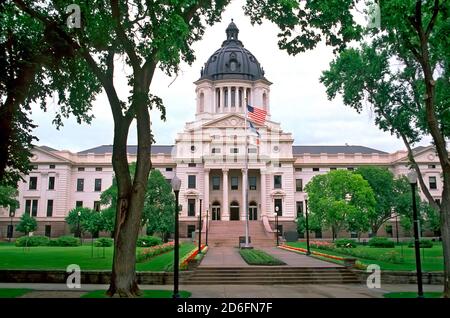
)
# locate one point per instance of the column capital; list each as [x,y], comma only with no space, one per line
[263,171]
[225,170]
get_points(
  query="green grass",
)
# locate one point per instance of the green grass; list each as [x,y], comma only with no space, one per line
[258,257]
[432,259]
[44,257]
[145,294]
[412,295]
[13,292]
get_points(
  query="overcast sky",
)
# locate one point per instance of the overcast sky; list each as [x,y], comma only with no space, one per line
[298,100]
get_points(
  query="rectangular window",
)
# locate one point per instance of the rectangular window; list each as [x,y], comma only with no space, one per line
[34,208]
[191,207]
[192,165]
[299,205]
[215,150]
[316,169]
[333,168]
[51,166]
[169,169]
[79,204]
[252,183]
[98,185]
[98,169]
[234,183]
[350,168]
[192,182]
[51,183]
[216,183]
[80,184]
[234,150]
[33,183]
[252,150]
[80,168]
[277,181]
[28,207]
[278,203]
[34,167]
[97,206]
[298,185]
[190,230]
[432,182]
[48,230]
[431,166]
[298,169]
[49,208]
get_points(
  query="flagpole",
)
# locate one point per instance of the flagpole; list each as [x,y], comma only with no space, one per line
[247,245]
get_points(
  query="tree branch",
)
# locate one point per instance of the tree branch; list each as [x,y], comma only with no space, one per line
[433,18]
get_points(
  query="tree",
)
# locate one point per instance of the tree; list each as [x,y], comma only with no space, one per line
[402,70]
[301,224]
[8,196]
[30,54]
[93,222]
[340,199]
[159,205]
[76,218]
[26,224]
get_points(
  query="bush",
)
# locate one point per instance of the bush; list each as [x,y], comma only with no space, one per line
[422,243]
[103,242]
[65,241]
[345,243]
[383,242]
[147,253]
[148,241]
[32,241]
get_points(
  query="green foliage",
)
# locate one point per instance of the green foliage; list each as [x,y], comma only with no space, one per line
[31,241]
[76,218]
[383,242]
[327,200]
[147,253]
[65,241]
[422,243]
[8,196]
[301,224]
[258,257]
[147,241]
[26,224]
[159,205]
[103,242]
[345,243]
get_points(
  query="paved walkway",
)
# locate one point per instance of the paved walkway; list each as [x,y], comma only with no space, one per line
[229,257]
[237,291]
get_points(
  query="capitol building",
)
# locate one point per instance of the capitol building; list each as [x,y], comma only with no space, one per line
[208,155]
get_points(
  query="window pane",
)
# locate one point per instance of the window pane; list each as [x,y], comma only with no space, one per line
[298,185]
[98,185]
[252,183]
[27,207]
[33,183]
[191,207]
[234,183]
[216,183]
[49,207]
[80,184]
[79,204]
[277,181]
[191,182]
[97,206]
[51,183]
[34,208]
[278,203]
[299,208]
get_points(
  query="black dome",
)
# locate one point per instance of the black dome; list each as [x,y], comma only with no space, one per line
[232,60]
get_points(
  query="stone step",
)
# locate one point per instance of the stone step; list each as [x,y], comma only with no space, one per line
[271,282]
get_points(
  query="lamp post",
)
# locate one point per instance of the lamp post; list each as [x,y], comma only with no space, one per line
[78,227]
[207,226]
[308,251]
[10,232]
[276,224]
[396,225]
[176,185]
[412,177]
[200,228]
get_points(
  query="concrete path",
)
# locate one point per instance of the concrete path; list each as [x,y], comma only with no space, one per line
[238,291]
[223,257]
[297,260]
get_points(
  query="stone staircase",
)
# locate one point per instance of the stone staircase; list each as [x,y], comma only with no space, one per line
[226,234]
[270,275]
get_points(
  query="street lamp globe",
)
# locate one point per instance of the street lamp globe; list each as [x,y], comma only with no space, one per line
[412,177]
[348,197]
[277,208]
[176,183]
[79,213]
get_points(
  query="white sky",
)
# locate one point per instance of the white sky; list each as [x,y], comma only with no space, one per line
[298,100]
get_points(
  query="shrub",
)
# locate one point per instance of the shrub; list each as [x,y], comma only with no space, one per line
[65,241]
[32,241]
[323,245]
[148,241]
[103,242]
[345,243]
[383,242]
[422,243]
[150,252]
[391,257]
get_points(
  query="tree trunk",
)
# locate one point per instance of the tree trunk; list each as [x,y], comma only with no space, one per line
[445,232]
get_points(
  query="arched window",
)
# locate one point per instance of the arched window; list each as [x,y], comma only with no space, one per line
[218,97]
[264,100]
[202,102]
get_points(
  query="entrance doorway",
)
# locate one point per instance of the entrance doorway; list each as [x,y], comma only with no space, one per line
[216,211]
[234,211]
[253,211]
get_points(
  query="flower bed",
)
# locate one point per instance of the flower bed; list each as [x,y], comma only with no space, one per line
[147,253]
[303,250]
[191,257]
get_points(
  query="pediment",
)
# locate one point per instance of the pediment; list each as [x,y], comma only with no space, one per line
[277,193]
[428,154]
[44,156]
[229,121]
[191,192]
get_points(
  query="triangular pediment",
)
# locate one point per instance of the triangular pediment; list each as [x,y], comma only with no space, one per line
[44,156]
[427,154]
[227,121]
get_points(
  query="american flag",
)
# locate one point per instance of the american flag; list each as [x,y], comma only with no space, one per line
[257,115]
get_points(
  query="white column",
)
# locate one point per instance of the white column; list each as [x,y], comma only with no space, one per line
[225,203]
[222,100]
[236,99]
[206,190]
[263,193]
[229,99]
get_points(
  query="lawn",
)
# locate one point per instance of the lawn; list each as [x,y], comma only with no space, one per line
[145,294]
[412,295]
[44,257]
[432,259]
[13,292]
[258,257]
